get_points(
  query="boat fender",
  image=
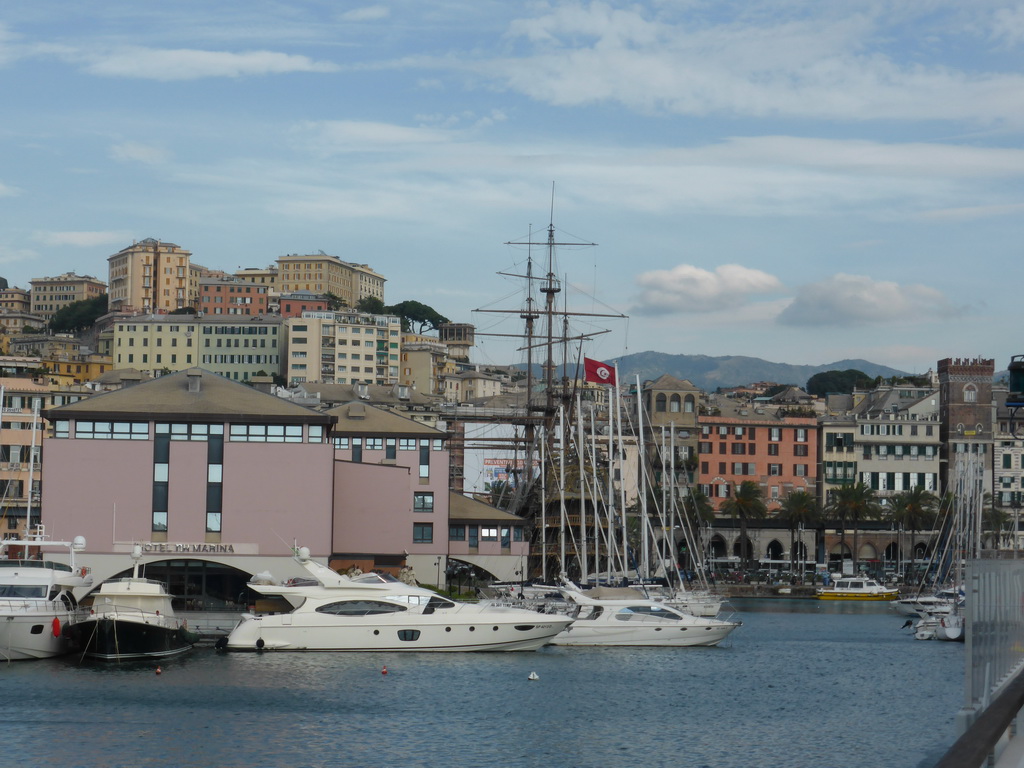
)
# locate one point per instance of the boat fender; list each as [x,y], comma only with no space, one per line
[221,644]
[56,627]
[259,644]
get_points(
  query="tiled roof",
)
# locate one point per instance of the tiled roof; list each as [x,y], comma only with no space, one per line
[359,418]
[464,508]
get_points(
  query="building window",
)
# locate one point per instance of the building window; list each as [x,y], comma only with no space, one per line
[423,533]
[799,450]
[423,502]
[488,533]
[456,533]
[424,458]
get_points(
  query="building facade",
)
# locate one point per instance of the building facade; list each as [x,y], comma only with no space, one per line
[342,348]
[51,294]
[322,274]
[231,296]
[151,276]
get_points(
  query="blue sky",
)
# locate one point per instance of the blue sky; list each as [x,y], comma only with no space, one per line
[798,181]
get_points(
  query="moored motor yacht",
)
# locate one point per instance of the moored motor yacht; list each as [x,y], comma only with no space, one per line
[374,612]
[942,602]
[857,588]
[609,616]
[37,600]
[130,618]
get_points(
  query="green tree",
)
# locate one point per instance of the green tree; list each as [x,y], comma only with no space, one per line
[78,315]
[853,504]
[837,382]
[335,302]
[799,508]
[914,511]
[371,305]
[427,318]
[747,503]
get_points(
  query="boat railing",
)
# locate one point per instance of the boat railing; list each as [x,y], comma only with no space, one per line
[26,604]
[115,611]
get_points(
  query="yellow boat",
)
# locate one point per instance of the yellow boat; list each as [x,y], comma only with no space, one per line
[857,588]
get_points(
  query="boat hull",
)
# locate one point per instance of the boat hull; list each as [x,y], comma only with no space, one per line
[121,639]
[28,634]
[857,596]
[316,632]
[583,634]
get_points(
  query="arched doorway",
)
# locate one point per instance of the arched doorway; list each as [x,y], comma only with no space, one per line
[199,585]
[776,556]
[838,555]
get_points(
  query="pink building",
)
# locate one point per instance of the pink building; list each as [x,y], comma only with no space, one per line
[231,296]
[210,476]
[294,304]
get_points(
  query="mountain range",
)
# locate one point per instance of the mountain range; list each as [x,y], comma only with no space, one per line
[709,373]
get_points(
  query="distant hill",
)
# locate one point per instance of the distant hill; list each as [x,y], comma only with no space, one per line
[709,373]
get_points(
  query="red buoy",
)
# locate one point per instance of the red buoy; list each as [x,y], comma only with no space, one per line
[56,627]
[159,671]
[384,671]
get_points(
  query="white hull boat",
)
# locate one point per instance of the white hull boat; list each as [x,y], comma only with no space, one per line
[371,612]
[614,617]
[940,603]
[37,601]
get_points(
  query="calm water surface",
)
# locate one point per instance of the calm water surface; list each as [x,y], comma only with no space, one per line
[801,685]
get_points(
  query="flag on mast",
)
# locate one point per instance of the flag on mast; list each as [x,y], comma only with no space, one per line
[597,372]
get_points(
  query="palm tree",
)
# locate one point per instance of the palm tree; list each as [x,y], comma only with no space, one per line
[747,503]
[853,503]
[914,510]
[799,508]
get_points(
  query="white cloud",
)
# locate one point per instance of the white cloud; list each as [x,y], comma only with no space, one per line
[10,255]
[82,239]
[686,288]
[346,136]
[190,64]
[134,152]
[1008,25]
[847,300]
[810,61]
[367,13]
[8,191]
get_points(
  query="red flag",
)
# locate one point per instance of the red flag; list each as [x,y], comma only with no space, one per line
[598,372]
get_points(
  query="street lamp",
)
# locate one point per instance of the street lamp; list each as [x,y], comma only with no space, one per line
[438,564]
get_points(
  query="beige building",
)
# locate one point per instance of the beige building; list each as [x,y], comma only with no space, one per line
[321,274]
[15,300]
[342,348]
[425,361]
[267,277]
[152,276]
[50,294]
[14,323]
[234,348]
[470,385]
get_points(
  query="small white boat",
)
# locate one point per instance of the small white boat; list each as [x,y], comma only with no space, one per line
[942,602]
[857,588]
[37,601]
[373,612]
[624,617]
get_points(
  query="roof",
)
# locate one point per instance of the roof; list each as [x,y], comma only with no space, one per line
[375,394]
[669,382]
[171,396]
[359,418]
[464,508]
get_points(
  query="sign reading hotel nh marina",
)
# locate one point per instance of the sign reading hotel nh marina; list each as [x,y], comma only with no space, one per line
[184,548]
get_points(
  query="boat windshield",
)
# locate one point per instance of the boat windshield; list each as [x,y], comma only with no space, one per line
[22,590]
[634,612]
[360,608]
[375,578]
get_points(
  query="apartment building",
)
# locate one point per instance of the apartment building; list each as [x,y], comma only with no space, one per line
[321,274]
[151,276]
[342,348]
[232,296]
[1008,456]
[424,361]
[267,277]
[21,447]
[740,443]
[51,294]
[294,304]
[15,300]
[236,349]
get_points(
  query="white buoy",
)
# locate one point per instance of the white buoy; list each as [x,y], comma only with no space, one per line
[533,676]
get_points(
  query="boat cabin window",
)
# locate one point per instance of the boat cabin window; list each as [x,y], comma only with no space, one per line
[22,590]
[360,608]
[654,611]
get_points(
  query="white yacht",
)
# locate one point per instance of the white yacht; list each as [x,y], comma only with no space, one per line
[857,588]
[372,612]
[37,601]
[621,617]
[940,603]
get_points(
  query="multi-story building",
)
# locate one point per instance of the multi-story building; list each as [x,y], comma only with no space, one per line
[15,300]
[69,371]
[1008,457]
[235,349]
[267,277]
[967,415]
[294,304]
[21,446]
[465,386]
[779,453]
[151,276]
[50,294]
[231,296]
[897,441]
[342,348]
[671,407]
[322,274]
[424,361]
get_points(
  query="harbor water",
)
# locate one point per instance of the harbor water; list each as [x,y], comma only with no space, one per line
[802,684]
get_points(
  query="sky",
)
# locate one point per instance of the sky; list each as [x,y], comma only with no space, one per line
[803,181]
